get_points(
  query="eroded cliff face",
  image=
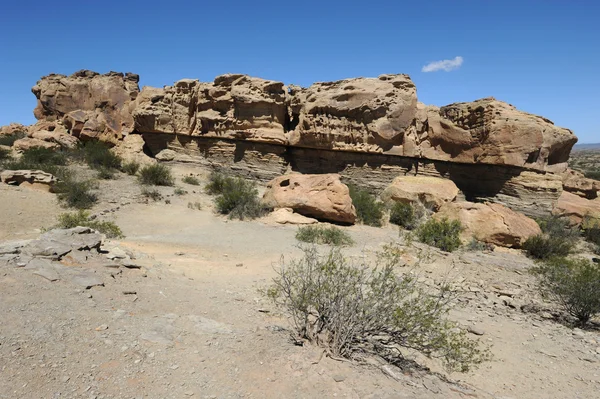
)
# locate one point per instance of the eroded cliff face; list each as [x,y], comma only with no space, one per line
[370,115]
[369,130]
[87,104]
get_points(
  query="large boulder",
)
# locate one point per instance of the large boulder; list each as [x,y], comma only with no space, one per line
[493,132]
[89,104]
[433,192]
[577,208]
[491,223]
[36,179]
[323,197]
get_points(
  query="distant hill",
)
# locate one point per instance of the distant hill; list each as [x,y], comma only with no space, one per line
[579,147]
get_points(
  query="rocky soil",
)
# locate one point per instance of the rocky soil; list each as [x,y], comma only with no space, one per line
[175,311]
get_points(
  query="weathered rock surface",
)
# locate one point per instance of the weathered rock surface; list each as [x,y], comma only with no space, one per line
[322,197]
[90,105]
[287,216]
[371,115]
[575,182]
[576,208]
[13,128]
[491,223]
[31,178]
[432,192]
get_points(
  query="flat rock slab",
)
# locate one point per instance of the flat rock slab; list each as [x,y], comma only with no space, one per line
[49,273]
[86,279]
[209,326]
[12,247]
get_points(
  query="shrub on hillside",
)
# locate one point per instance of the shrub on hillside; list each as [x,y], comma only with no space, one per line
[98,155]
[369,211]
[9,139]
[191,180]
[75,194]
[131,168]
[39,158]
[156,175]
[557,239]
[591,230]
[443,234]
[153,194]
[82,218]
[323,235]
[236,197]
[4,154]
[406,215]
[573,283]
[216,183]
[357,308]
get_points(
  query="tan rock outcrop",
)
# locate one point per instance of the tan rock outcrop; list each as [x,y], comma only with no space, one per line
[35,179]
[576,208]
[89,104]
[12,129]
[370,115]
[323,197]
[491,223]
[433,192]
[27,143]
[575,182]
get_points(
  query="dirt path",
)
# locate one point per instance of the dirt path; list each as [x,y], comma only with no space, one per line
[198,326]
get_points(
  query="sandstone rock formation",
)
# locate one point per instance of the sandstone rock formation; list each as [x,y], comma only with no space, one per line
[369,130]
[576,208]
[370,115]
[12,129]
[575,182]
[433,192]
[29,178]
[490,223]
[322,197]
[88,104]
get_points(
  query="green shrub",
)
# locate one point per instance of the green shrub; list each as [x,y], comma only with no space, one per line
[179,191]
[191,180]
[573,283]
[98,155]
[216,183]
[131,168]
[153,194]
[323,235]
[156,175]
[236,197]
[9,139]
[106,173]
[476,246]
[443,234]
[591,230]
[82,218]
[592,174]
[356,308]
[4,154]
[406,215]
[368,210]
[41,156]
[195,205]
[557,239]
[76,194]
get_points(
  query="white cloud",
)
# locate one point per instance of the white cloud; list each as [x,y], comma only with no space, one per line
[445,65]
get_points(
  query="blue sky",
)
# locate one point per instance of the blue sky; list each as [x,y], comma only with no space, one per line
[541,56]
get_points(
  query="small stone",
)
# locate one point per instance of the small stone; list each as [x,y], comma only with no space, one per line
[129,292]
[239,265]
[475,330]
[102,327]
[338,378]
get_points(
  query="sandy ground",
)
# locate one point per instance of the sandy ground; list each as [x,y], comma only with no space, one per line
[199,327]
